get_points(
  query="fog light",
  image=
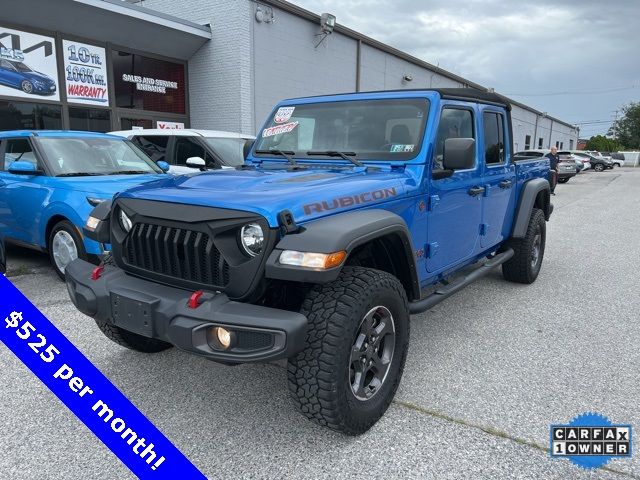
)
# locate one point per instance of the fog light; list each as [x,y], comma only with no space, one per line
[221,339]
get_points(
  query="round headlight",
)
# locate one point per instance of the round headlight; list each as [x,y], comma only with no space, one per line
[252,239]
[125,221]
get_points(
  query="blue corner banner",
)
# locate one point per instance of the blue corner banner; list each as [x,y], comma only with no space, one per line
[86,391]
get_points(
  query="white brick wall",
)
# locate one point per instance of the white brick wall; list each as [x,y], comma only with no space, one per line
[220,73]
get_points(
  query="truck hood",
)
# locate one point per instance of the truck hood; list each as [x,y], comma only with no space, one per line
[105,186]
[308,194]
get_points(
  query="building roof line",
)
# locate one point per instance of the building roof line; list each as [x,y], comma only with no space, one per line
[149,15]
[304,13]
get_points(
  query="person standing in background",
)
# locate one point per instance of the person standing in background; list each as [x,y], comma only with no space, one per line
[553,165]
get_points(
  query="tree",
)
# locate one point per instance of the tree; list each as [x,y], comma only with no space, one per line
[626,130]
[602,144]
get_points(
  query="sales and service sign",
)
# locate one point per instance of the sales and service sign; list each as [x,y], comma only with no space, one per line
[28,67]
[85,70]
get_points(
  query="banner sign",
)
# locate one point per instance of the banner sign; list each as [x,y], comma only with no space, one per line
[87,392]
[28,67]
[85,69]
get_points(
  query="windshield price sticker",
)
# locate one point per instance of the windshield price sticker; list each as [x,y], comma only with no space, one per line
[87,392]
[283,114]
[278,129]
[400,147]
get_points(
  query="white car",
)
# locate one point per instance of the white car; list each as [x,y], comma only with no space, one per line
[580,157]
[189,150]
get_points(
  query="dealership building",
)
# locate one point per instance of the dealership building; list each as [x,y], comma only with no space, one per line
[218,64]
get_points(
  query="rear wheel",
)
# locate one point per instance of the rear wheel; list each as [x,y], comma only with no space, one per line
[65,245]
[525,264]
[598,167]
[356,347]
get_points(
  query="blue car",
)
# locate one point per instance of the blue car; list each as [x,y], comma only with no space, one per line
[51,180]
[19,75]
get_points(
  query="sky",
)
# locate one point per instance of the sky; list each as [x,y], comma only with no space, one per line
[578,60]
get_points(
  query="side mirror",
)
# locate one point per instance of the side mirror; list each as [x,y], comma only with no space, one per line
[459,153]
[248,145]
[196,162]
[22,168]
[164,166]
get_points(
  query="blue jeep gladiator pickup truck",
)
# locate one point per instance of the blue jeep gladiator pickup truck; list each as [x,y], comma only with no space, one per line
[351,213]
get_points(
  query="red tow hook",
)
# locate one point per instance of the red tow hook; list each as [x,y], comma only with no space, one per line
[97,272]
[194,299]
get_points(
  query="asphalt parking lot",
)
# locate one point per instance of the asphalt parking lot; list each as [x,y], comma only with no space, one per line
[488,371]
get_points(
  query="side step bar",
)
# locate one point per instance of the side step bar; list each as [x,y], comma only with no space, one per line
[458,284]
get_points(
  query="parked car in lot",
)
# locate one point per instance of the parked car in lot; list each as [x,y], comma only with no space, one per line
[51,180]
[598,162]
[566,164]
[320,248]
[189,150]
[580,157]
[617,159]
[20,76]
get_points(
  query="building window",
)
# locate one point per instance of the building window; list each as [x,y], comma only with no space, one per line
[557,144]
[89,119]
[527,142]
[570,144]
[540,140]
[561,145]
[146,83]
[493,138]
[29,116]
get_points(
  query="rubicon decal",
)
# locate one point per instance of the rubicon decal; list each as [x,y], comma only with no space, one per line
[351,200]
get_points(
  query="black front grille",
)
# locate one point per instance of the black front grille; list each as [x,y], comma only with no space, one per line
[176,252]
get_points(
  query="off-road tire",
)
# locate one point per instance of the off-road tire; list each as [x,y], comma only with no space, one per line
[319,381]
[131,340]
[520,267]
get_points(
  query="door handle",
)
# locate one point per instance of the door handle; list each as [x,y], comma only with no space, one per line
[474,191]
[505,184]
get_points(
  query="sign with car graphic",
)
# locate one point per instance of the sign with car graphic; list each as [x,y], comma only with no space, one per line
[28,67]
[85,72]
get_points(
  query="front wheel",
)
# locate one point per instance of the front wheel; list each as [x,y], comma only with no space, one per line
[26,86]
[525,264]
[356,347]
[65,245]
[598,167]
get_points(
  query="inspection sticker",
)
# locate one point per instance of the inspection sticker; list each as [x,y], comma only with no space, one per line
[590,440]
[401,147]
[86,391]
[283,114]
[278,129]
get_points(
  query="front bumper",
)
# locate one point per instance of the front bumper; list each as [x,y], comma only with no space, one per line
[162,312]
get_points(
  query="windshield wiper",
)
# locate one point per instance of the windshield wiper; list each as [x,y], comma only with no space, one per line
[78,174]
[129,172]
[283,153]
[335,153]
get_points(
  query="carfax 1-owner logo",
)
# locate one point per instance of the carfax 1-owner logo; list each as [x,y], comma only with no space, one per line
[590,440]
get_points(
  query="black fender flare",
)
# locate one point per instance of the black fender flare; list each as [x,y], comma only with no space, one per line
[344,231]
[530,191]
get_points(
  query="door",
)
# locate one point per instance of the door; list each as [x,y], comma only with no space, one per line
[499,178]
[455,203]
[21,196]
[9,75]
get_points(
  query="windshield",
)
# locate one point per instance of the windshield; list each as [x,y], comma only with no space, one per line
[95,156]
[22,67]
[230,150]
[389,129]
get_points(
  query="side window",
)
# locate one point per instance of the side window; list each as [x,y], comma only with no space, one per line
[154,146]
[186,148]
[454,123]
[18,149]
[493,138]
